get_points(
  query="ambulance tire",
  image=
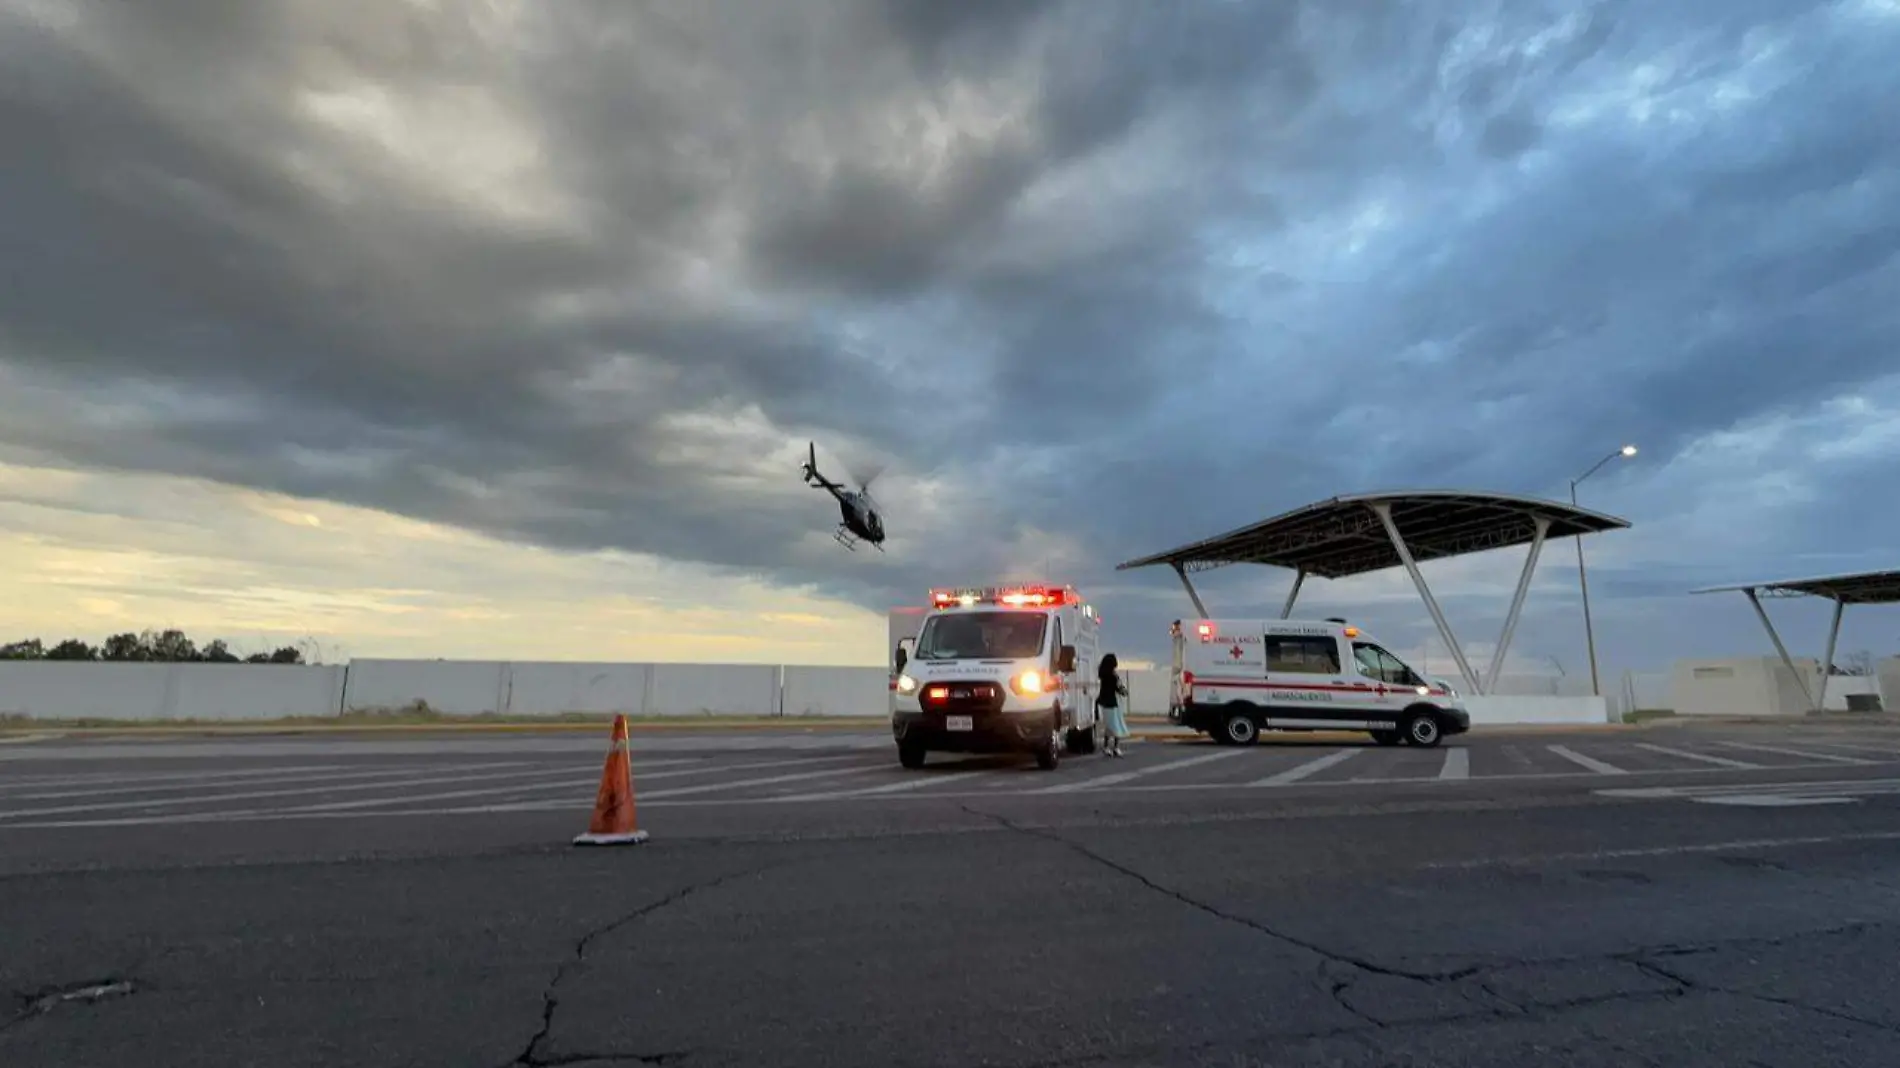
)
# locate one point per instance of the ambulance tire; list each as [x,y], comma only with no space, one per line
[1049,753]
[911,755]
[1084,740]
[1241,728]
[1387,737]
[1422,730]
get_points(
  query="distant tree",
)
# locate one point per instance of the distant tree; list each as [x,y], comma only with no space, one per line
[72,649]
[218,653]
[30,649]
[172,647]
[289,654]
[126,647]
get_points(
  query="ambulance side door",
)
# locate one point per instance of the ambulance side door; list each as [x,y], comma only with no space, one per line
[1307,674]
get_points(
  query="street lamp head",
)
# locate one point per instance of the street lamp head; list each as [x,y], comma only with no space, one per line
[1629,450]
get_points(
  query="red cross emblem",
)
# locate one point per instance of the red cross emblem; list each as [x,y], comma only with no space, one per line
[1379,689]
[1235,651]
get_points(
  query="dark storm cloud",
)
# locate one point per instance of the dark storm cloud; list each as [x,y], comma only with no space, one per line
[590,274]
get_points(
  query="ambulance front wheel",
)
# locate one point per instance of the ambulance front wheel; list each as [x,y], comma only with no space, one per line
[1423,731]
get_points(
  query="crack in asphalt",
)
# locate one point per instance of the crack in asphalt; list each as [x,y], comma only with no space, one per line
[1293,940]
[1338,987]
[529,1056]
[43,1001]
[1687,984]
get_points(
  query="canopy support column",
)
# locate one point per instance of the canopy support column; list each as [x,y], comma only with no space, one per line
[1181,570]
[1517,604]
[1384,512]
[1827,659]
[1299,579]
[1775,636]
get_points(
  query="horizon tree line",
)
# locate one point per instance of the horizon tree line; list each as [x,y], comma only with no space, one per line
[171,646]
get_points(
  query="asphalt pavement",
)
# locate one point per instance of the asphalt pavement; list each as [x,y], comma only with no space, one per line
[1675,896]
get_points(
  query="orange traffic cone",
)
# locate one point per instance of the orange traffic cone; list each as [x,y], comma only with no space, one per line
[613,822]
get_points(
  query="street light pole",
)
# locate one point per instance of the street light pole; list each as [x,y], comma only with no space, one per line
[1583,582]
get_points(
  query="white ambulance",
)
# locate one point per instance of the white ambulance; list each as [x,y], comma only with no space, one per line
[1234,678]
[998,670]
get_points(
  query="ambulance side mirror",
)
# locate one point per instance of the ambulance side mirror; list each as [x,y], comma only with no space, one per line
[1065,659]
[902,655]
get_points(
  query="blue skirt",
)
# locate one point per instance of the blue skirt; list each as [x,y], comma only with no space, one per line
[1115,720]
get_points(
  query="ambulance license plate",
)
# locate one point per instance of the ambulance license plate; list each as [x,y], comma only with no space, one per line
[959,723]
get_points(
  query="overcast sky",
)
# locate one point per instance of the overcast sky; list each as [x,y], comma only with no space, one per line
[491,329]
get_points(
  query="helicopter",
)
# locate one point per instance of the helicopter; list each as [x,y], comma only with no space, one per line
[860,519]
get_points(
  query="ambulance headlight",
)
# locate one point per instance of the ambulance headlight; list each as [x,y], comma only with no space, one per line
[906,685]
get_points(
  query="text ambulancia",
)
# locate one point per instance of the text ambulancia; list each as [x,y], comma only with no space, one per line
[999,669]
[1234,678]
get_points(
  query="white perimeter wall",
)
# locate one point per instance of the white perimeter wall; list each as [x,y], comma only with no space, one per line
[43,690]
[1763,686]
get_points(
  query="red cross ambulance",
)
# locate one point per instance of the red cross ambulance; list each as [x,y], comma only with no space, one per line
[1234,678]
[998,669]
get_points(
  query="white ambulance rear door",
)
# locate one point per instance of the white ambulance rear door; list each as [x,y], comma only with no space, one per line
[1231,659]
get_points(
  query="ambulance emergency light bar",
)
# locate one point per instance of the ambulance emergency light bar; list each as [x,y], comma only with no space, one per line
[1014,596]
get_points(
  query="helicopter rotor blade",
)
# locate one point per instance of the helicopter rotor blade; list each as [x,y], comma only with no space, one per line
[864,474]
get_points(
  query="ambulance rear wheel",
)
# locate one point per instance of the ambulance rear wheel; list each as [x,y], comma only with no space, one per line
[1422,730]
[911,755]
[1240,729]
[1049,754]
[1082,740]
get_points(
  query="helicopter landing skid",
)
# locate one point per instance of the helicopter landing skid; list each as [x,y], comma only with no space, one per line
[844,537]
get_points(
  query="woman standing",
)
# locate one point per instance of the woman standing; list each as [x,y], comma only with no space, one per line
[1109,691]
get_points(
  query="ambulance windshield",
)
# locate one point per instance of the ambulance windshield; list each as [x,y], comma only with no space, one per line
[982,636]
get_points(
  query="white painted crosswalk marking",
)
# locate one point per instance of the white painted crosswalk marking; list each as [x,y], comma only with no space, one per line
[1136,773]
[1311,767]
[1803,753]
[1767,794]
[1582,761]
[1457,764]
[1703,757]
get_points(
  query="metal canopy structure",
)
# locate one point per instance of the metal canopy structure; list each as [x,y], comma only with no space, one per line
[1355,535]
[1864,587]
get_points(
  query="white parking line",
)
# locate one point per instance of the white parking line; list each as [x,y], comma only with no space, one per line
[34,813]
[271,776]
[1457,764]
[918,783]
[1136,773]
[640,774]
[1806,754]
[711,787]
[565,780]
[1582,761]
[1311,767]
[1704,757]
